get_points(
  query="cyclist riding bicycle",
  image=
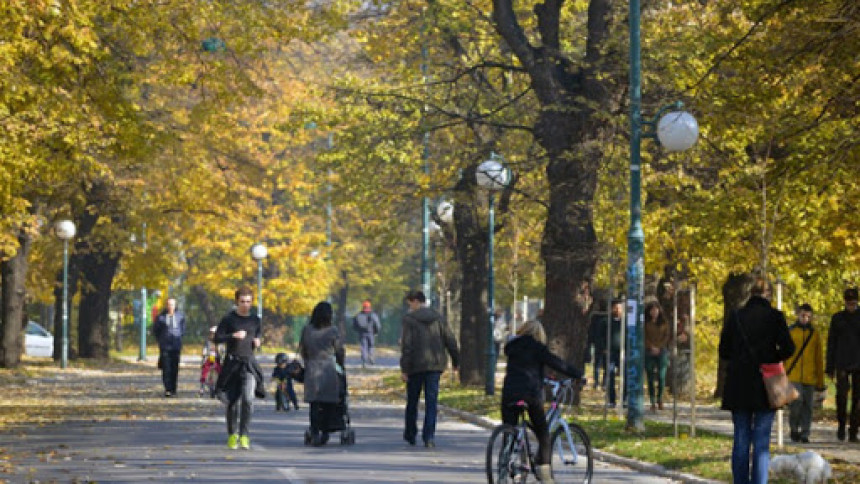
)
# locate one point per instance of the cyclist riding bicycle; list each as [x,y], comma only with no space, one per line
[527,355]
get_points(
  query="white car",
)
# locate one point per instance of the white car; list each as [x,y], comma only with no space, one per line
[38,341]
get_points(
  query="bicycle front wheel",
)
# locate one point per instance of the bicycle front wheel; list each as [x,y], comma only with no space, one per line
[507,459]
[572,459]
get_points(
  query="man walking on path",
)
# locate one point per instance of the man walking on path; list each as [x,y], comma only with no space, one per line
[367,325]
[805,369]
[169,328]
[843,362]
[425,341]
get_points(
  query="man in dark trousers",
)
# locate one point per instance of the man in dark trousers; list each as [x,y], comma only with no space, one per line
[367,325]
[597,343]
[425,345]
[843,362]
[616,315]
[169,328]
[241,377]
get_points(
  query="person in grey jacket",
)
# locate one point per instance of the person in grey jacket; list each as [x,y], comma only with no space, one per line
[169,327]
[367,325]
[425,345]
[321,348]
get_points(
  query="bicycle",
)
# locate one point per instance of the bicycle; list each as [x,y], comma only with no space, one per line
[511,455]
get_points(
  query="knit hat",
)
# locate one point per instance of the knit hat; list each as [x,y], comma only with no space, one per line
[850,294]
[365,306]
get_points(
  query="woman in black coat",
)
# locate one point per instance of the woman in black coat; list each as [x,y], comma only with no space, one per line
[752,335]
[527,355]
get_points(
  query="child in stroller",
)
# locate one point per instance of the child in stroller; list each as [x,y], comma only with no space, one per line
[210,367]
[283,376]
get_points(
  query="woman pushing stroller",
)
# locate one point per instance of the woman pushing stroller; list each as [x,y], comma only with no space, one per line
[322,350]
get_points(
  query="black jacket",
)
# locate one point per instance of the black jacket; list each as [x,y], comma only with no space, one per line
[524,374]
[752,335]
[843,342]
[169,337]
[228,388]
[425,341]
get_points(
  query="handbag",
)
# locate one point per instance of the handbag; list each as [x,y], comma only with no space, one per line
[780,391]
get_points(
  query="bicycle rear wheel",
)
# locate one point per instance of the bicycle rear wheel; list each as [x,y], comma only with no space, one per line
[507,459]
[572,459]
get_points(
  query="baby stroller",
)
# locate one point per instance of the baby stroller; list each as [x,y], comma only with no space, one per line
[338,420]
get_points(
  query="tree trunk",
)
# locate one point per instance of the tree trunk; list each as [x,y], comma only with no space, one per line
[12,314]
[98,270]
[205,302]
[340,306]
[570,95]
[472,257]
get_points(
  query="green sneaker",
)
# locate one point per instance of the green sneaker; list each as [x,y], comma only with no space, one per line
[244,442]
[233,441]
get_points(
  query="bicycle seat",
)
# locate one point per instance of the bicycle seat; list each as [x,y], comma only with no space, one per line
[521,404]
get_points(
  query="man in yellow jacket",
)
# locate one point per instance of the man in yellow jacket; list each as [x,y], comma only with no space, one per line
[806,370]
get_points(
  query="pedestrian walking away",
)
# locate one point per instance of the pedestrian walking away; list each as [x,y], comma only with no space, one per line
[366,323]
[752,335]
[425,345]
[169,327]
[527,355]
[614,356]
[241,377]
[596,344]
[322,350]
[806,371]
[843,363]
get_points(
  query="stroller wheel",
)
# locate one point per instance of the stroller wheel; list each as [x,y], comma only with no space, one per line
[347,437]
[307,437]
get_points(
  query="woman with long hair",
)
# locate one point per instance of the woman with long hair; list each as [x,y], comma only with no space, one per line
[656,352]
[527,355]
[752,335]
[321,348]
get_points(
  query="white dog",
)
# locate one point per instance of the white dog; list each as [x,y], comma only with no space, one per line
[806,468]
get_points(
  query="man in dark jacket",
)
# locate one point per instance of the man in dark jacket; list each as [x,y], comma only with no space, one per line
[169,328]
[597,343]
[843,361]
[423,346]
[241,378]
[752,335]
[616,315]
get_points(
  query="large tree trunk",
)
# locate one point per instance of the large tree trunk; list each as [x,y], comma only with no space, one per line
[569,252]
[97,270]
[12,315]
[472,256]
[567,128]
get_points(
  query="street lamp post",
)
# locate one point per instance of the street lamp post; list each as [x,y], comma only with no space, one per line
[65,230]
[676,131]
[258,253]
[492,176]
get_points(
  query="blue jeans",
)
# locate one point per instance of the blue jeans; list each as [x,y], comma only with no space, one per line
[429,381]
[751,429]
[366,341]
